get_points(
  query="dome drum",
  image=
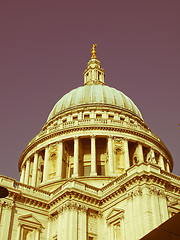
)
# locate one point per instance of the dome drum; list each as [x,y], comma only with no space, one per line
[88,155]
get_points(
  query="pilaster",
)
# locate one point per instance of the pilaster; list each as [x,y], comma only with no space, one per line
[147,210]
[7,212]
[129,217]
[82,223]
[163,207]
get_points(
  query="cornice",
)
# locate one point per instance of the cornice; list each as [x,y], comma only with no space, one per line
[126,186]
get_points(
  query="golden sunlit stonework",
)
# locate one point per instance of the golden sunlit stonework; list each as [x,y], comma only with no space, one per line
[94,172]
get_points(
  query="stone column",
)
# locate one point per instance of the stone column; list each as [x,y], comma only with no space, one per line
[76,157]
[46,158]
[126,154]
[140,153]
[110,155]
[168,168]
[26,181]
[22,174]
[59,160]
[93,156]
[161,162]
[7,209]
[35,168]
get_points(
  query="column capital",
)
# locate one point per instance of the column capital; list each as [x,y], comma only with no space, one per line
[47,146]
[76,137]
[23,167]
[140,143]
[126,139]
[93,136]
[110,137]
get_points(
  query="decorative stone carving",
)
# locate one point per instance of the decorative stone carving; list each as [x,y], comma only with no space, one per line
[8,205]
[151,157]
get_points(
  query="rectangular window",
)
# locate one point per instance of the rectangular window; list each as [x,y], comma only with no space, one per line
[111,116]
[98,115]
[101,170]
[75,118]
[87,170]
[86,116]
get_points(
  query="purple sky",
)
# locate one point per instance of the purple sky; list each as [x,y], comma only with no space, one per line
[45,47]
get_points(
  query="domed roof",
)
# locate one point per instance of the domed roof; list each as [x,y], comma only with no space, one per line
[94,95]
[94,92]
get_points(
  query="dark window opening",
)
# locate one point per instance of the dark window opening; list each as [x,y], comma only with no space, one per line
[98,115]
[86,116]
[111,116]
[75,118]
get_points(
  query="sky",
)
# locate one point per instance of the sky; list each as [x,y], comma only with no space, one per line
[45,47]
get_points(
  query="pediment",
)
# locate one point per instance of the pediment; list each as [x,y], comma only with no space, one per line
[114,212]
[29,219]
[115,215]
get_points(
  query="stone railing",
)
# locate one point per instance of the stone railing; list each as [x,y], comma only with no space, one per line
[11,184]
[92,121]
[114,183]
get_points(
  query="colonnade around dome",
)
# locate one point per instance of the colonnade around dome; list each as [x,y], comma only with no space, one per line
[87,156]
[88,142]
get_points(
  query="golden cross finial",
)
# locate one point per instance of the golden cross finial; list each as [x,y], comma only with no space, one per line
[93,51]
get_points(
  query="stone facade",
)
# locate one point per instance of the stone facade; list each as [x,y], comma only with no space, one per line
[94,172]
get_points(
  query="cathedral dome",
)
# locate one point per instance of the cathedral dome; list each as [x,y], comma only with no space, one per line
[94,133]
[95,94]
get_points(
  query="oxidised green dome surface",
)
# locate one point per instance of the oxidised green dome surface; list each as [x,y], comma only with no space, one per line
[94,94]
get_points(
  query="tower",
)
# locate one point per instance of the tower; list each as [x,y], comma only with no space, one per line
[94,172]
